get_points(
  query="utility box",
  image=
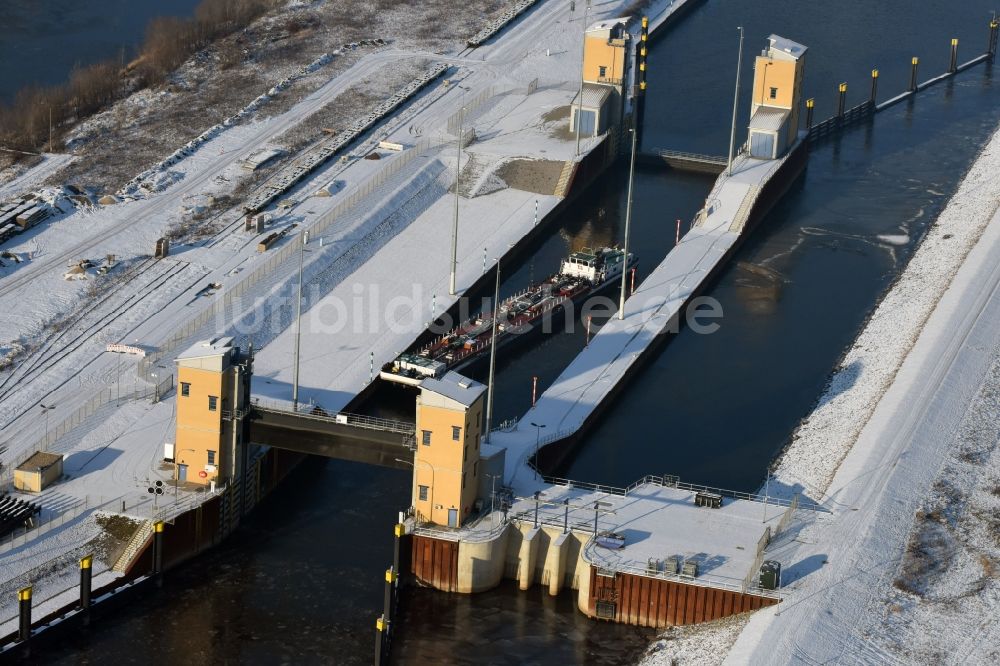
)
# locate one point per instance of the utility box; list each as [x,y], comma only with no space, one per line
[690,569]
[162,248]
[38,472]
[711,500]
[671,566]
[770,575]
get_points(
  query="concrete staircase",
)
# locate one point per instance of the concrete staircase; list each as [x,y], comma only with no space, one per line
[565,178]
[743,214]
[139,539]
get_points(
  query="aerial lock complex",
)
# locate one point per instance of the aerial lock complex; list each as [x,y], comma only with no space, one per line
[439,312]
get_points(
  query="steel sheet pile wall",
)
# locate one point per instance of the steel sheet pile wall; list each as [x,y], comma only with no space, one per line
[315,158]
[652,602]
[500,22]
[435,563]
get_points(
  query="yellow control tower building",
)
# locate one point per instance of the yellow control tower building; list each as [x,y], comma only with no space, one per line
[446,461]
[213,394]
[777,92]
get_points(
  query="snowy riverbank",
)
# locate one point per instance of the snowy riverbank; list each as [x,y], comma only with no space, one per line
[869,367]
[829,434]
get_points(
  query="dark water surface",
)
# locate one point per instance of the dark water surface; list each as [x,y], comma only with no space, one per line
[303,582]
[42,40]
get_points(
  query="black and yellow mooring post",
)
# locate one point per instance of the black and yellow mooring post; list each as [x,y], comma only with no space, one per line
[874,86]
[810,103]
[913,73]
[994,32]
[953,67]
[86,571]
[381,631]
[643,41]
[158,552]
[24,612]
[841,100]
[390,601]
[397,545]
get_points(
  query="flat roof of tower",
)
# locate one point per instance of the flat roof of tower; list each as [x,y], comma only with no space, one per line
[456,387]
[785,45]
[211,347]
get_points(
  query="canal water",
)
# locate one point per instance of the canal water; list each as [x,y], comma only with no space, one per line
[42,40]
[303,582]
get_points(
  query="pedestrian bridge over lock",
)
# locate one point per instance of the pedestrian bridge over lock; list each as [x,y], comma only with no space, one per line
[353,437]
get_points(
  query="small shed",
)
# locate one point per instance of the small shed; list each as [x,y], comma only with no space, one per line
[39,471]
[768,132]
[594,109]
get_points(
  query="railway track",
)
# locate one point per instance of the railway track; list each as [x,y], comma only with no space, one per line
[79,331]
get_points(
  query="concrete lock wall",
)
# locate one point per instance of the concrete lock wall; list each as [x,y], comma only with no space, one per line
[481,563]
[543,556]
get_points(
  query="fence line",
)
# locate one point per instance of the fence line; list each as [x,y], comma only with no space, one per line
[275,259]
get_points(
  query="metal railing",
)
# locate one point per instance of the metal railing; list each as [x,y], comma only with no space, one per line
[288,252]
[667,481]
[717,160]
[641,569]
[21,536]
[342,418]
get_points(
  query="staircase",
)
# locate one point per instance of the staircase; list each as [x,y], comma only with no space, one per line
[740,220]
[565,178]
[136,544]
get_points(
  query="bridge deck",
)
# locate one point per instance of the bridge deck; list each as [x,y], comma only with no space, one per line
[344,437]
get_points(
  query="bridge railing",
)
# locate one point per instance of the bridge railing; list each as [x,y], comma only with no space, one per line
[342,418]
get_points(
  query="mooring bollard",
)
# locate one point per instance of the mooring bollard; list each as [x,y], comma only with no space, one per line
[992,48]
[158,552]
[86,571]
[381,627]
[810,103]
[874,86]
[24,612]
[954,56]
[913,73]
[390,578]
[398,531]
[841,100]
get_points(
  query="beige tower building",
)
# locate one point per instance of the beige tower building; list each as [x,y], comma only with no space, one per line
[446,462]
[777,93]
[213,393]
[605,58]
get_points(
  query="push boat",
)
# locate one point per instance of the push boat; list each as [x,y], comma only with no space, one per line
[581,275]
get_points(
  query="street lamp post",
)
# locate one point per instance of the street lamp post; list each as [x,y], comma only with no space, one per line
[493,496]
[583,57]
[298,326]
[493,355]
[45,410]
[538,435]
[452,284]
[628,219]
[736,97]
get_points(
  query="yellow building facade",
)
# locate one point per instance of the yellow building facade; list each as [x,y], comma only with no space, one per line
[446,470]
[212,387]
[777,96]
[605,64]
[604,54]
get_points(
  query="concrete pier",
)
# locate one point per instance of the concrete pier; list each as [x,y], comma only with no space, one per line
[703,567]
